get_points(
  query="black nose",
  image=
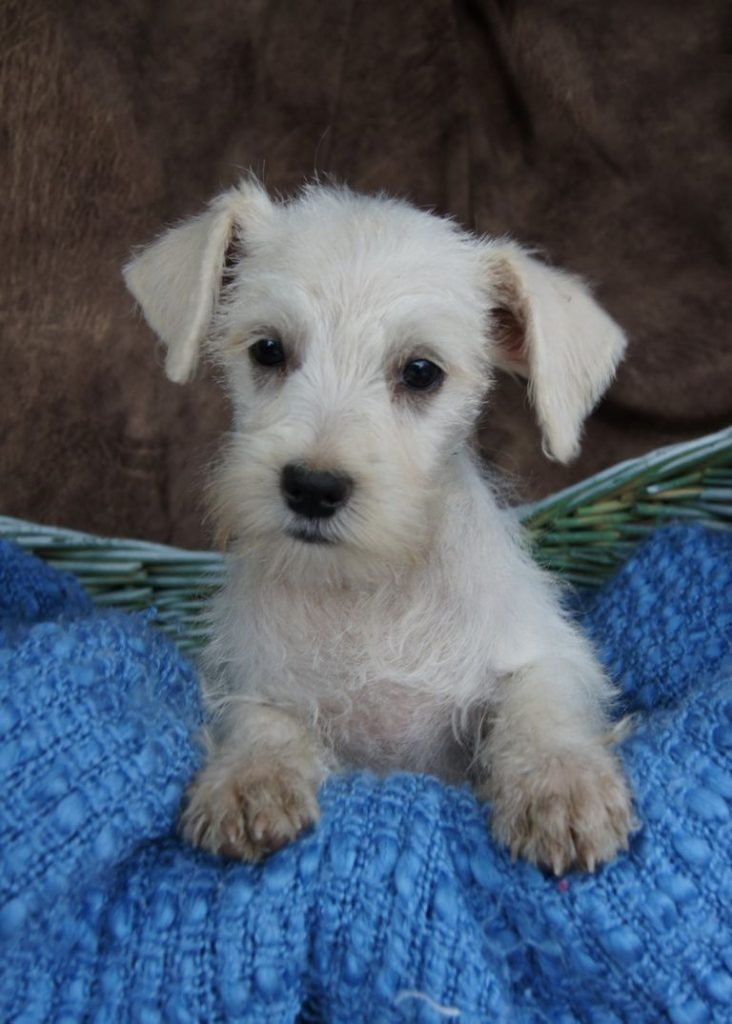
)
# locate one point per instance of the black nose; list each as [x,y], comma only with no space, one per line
[314,493]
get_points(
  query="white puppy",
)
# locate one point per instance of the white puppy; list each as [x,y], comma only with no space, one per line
[381,610]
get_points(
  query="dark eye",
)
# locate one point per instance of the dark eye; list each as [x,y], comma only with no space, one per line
[267,352]
[422,375]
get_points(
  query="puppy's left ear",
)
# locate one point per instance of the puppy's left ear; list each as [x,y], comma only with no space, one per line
[177,280]
[547,327]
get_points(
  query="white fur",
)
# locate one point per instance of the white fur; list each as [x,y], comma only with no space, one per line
[422,636]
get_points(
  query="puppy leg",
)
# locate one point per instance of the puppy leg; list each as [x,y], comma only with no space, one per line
[257,790]
[559,797]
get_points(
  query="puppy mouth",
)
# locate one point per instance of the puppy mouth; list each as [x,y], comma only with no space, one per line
[309,535]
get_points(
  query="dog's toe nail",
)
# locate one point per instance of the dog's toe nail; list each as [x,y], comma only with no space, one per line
[258,827]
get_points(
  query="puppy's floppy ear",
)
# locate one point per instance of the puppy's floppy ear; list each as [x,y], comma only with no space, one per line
[177,279]
[548,328]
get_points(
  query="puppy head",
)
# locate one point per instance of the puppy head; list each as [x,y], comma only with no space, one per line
[357,337]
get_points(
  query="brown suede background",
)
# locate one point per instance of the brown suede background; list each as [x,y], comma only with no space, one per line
[597,131]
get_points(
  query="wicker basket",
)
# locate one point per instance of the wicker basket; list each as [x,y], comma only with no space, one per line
[582,532]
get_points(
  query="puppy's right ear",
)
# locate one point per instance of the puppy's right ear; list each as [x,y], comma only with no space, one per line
[177,279]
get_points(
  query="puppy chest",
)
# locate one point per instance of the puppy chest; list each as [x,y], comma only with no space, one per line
[385,704]
[392,679]
[386,728]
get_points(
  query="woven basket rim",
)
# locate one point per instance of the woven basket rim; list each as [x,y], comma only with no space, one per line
[669,458]
[581,533]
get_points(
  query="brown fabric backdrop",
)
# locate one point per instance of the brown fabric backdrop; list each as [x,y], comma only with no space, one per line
[597,131]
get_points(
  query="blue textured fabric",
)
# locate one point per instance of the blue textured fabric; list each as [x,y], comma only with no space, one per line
[398,907]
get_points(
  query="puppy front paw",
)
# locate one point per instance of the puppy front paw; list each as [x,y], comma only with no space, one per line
[570,810]
[247,811]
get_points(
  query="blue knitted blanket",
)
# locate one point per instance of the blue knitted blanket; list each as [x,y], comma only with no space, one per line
[398,907]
